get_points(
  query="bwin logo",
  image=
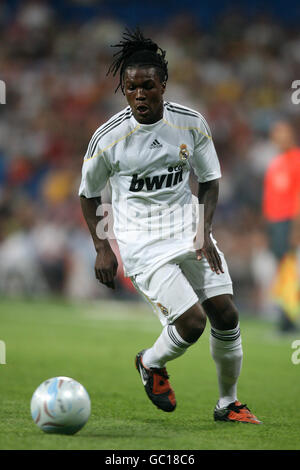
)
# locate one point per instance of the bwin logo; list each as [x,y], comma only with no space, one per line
[158,181]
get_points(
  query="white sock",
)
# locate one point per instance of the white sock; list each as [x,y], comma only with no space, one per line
[226,350]
[168,346]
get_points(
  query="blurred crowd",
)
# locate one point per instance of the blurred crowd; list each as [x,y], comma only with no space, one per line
[238,74]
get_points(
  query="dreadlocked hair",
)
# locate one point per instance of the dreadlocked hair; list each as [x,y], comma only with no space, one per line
[136,50]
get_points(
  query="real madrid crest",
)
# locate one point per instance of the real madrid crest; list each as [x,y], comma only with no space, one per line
[163,309]
[183,153]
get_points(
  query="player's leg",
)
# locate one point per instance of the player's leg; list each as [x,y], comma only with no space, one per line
[175,338]
[225,345]
[215,294]
[226,350]
[191,324]
[151,363]
[183,319]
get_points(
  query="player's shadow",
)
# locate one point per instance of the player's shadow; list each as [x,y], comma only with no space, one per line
[195,425]
[161,426]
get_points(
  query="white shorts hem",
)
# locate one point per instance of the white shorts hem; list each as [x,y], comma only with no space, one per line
[210,292]
[183,309]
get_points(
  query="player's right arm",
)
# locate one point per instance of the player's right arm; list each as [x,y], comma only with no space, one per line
[95,174]
[106,263]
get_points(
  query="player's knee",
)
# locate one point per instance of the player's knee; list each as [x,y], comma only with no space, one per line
[222,312]
[228,318]
[195,327]
[191,324]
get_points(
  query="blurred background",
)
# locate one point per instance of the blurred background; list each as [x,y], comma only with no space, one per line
[234,62]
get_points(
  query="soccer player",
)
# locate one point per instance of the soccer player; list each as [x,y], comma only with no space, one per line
[147,151]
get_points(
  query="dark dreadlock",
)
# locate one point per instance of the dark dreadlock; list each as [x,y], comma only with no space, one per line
[136,50]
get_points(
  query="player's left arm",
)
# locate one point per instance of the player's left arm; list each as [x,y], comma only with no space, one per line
[207,169]
[208,194]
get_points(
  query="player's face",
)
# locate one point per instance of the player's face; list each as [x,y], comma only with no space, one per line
[144,92]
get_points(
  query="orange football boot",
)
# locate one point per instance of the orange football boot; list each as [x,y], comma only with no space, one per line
[235,412]
[156,384]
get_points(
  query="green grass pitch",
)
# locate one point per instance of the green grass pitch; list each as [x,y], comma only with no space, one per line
[95,343]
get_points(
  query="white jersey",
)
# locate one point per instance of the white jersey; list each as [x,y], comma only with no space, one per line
[148,166]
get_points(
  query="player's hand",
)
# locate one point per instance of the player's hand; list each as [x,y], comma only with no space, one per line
[106,266]
[211,254]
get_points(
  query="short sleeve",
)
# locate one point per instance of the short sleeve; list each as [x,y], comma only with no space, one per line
[204,160]
[95,173]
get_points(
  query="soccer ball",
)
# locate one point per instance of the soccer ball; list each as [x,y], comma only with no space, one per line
[60,405]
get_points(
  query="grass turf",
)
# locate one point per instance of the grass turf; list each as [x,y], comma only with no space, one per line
[95,343]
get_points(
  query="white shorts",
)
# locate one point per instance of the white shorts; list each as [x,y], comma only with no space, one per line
[177,285]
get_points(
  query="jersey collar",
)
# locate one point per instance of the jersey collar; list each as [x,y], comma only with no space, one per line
[148,127]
